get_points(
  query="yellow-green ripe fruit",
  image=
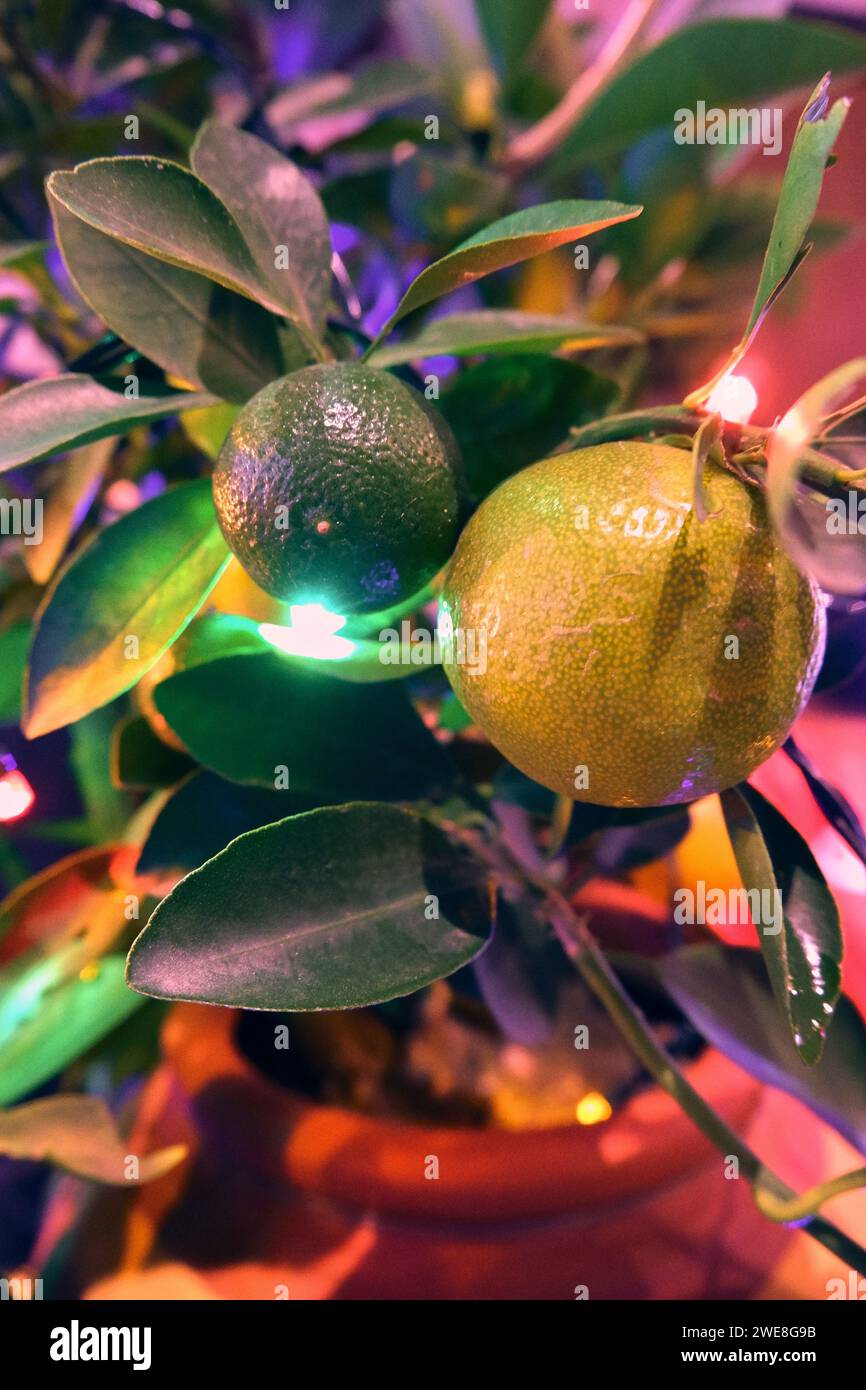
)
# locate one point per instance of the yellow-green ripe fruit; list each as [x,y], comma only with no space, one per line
[614,647]
[337,484]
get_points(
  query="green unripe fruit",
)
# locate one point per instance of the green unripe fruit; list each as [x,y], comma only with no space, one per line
[338,484]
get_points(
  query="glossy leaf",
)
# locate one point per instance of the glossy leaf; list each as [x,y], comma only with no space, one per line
[815,137]
[162,209]
[502,331]
[203,815]
[725,994]
[804,958]
[197,330]
[64,412]
[723,62]
[142,578]
[390,907]
[506,242]
[246,717]
[273,204]
[51,1028]
[78,1133]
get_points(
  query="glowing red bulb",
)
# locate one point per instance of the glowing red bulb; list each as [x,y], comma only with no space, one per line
[16,794]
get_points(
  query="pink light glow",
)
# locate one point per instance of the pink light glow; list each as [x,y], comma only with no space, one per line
[734,398]
[16,796]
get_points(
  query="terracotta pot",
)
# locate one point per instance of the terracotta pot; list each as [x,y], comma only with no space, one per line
[282,1197]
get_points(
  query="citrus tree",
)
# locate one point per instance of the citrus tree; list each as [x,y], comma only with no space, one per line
[634,622]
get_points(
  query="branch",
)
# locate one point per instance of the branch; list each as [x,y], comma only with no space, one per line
[536,143]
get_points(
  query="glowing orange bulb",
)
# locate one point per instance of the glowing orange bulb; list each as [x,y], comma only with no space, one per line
[734,398]
[593,1108]
[16,795]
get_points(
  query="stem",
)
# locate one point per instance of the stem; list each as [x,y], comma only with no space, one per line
[585,954]
[817,470]
[563,811]
[809,1202]
[660,419]
[536,143]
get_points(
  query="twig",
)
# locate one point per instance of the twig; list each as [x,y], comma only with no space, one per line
[808,1203]
[536,143]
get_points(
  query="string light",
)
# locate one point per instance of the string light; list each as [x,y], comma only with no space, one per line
[313,632]
[593,1109]
[734,398]
[16,794]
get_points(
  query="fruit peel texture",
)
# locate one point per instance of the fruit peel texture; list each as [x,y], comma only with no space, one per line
[608,610]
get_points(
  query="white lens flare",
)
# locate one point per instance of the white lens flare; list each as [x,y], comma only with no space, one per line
[734,398]
[313,632]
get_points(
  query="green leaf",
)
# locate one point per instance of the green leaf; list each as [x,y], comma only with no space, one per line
[506,242]
[203,815]
[46,1029]
[816,135]
[509,27]
[706,444]
[725,994]
[245,717]
[14,645]
[509,412]
[142,578]
[142,761]
[68,487]
[274,205]
[107,808]
[391,906]
[798,201]
[215,634]
[63,412]
[78,1134]
[191,327]
[160,208]
[803,951]
[723,62]
[502,331]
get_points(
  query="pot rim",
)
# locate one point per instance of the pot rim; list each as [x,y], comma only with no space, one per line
[367,1162]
